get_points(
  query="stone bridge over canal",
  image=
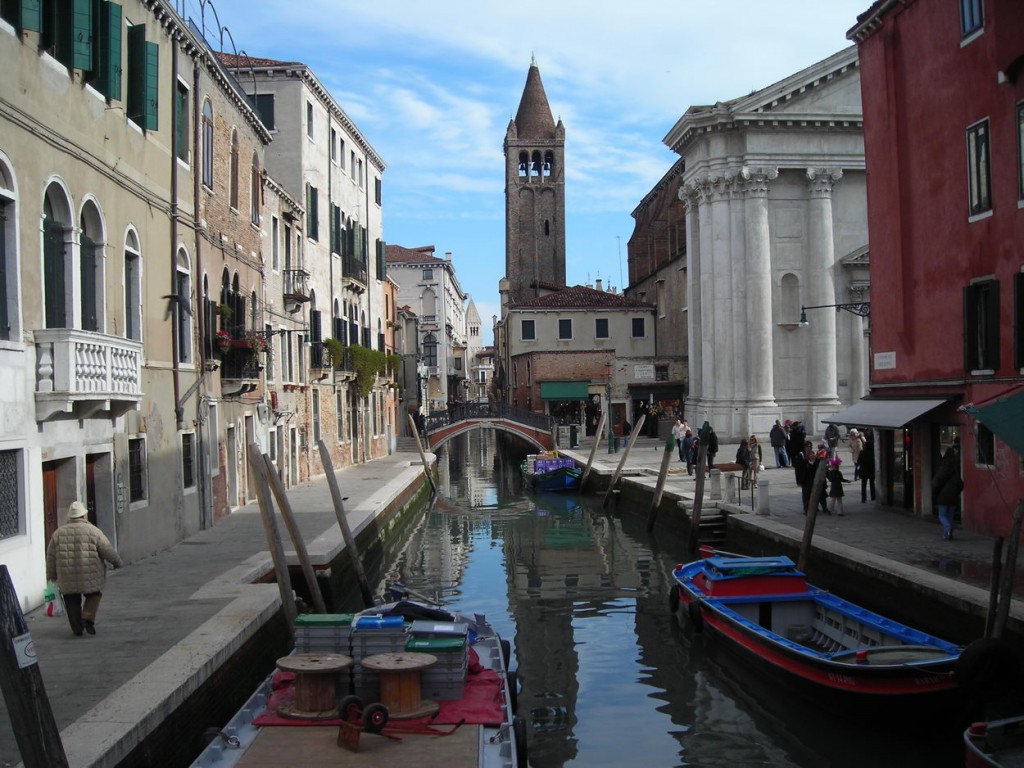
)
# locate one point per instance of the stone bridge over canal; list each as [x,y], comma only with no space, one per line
[534,428]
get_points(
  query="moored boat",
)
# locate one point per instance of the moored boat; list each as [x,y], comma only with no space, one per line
[995,744]
[457,711]
[764,608]
[550,472]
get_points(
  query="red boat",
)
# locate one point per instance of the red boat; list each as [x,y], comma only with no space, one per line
[763,608]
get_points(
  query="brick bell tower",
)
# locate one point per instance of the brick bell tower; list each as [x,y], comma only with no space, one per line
[534,194]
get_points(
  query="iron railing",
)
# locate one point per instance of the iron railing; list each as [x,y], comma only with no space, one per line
[465,411]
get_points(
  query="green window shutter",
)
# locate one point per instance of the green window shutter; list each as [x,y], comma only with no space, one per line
[31,16]
[81,34]
[143,78]
[107,49]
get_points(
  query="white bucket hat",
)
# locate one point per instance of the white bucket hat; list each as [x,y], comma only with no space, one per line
[77,510]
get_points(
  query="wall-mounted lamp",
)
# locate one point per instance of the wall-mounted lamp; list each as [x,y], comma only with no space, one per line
[860,308]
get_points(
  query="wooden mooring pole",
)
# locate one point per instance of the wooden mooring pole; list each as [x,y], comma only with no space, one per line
[622,461]
[593,450]
[652,513]
[32,721]
[346,531]
[1009,570]
[698,489]
[272,532]
[812,512]
[297,541]
[423,455]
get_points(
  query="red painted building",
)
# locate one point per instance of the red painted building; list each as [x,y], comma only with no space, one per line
[943,98]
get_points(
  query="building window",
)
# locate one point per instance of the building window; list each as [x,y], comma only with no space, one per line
[188,460]
[136,469]
[339,406]
[565,328]
[661,373]
[528,332]
[207,144]
[132,287]
[312,212]
[316,415]
[474,330]
[213,425]
[378,191]
[233,172]
[978,182]
[428,274]
[309,119]
[275,243]
[181,115]
[6,231]
[143,79]
[254,190]
[105,74]
[10,494]
[1020,151]
[971,17]
[90,255]
[601,328]
[334,146]
[361,176]
[341,154]
[183,307]
[430,350]
[265,109]
[981,326]
[56,264]
[639,329]
[1018,320]
[985,447]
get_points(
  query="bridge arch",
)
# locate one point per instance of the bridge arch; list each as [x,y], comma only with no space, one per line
[440,437]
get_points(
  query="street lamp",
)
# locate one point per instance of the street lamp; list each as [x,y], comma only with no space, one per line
[860,308]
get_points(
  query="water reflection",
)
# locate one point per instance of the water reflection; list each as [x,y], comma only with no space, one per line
[608,678]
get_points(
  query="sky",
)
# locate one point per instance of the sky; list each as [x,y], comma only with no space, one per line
[432,87]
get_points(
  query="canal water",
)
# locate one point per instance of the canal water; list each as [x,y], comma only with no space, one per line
[607,675]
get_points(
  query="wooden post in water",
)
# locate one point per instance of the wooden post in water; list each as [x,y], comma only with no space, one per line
[622,461]
[423,456]
[812,512]
[993,587]
[1009,570]
[32,721]
[652,513]
[271,531]
[698,489]
[593,450]
[346,531]
[297,541]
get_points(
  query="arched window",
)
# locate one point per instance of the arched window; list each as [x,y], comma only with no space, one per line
[549,162]
[183,308]
[353,324]
[207,144]
[254,190]
[524,165]
[366,331]
[9,266]
[535,163]
[57,280]
[132,286]
[233,180]
[430,350]
[429,303]
[254,313]
[90,257]
[789,299]
[343,335]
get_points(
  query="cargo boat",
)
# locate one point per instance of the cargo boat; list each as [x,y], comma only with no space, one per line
[550,472]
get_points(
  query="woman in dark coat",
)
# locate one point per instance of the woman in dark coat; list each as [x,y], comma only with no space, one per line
[946,487]
[866,468]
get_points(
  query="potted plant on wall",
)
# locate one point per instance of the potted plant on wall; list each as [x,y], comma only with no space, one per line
[223,340]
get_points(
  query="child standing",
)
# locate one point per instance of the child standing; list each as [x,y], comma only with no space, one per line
[834,478]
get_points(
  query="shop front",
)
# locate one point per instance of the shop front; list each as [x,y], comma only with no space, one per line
[661,405]
[566,402]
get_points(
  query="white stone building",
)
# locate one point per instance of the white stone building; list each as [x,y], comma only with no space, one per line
[776,221]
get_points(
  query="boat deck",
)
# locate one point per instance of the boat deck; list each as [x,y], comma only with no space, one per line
[317,747]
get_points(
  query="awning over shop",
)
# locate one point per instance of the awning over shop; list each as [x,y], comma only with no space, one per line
[564,390]
[1004,415]
[884,413]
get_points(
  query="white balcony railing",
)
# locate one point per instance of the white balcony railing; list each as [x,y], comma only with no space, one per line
[84,372]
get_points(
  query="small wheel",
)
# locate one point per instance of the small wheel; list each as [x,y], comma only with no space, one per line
[519,734]
[512,681]
[673,599]
[695,616]
[350,708]
[375,717]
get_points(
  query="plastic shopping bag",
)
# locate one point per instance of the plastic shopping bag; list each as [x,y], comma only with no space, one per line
[53,600]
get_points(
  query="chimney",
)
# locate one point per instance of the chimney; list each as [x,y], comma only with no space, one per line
[597,284]
[447,255]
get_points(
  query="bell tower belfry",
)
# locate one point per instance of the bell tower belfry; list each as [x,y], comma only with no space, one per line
[534,194]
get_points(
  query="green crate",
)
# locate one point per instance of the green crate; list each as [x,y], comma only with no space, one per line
[324,620]
[435,644]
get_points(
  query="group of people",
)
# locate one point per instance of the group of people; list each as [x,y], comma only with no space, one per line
[688,444]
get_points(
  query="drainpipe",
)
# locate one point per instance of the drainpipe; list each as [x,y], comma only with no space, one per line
[179,411]
[202,409]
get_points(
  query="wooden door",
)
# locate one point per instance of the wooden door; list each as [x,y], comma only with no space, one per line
[51,512]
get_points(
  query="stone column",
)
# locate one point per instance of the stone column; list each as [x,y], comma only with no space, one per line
[821,349]
[693,280]
[721,345]
[740,304]
[708,383]
[759,329]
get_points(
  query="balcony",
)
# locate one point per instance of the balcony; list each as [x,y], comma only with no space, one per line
[353,273]
[84,373]
[296,288]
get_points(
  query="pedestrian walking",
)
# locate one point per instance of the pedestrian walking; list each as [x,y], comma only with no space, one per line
[743,459]
[777,439]
[712,447]
[797,438]
[856,444]
[690,450]
[76,558]
[832,439]
[947,486]
[834,478]
[866,468]
[678,433]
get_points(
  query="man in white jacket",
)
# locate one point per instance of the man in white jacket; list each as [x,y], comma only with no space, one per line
[76,558]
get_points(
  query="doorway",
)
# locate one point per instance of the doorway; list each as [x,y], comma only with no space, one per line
[231,459]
